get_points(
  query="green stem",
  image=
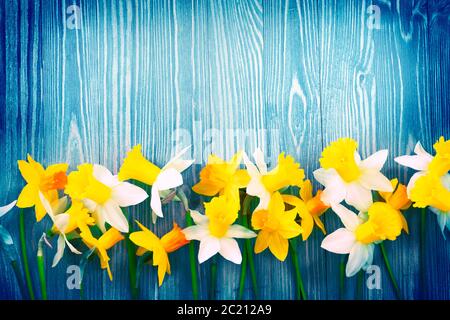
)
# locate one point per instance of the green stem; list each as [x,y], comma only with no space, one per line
[248,245]
[131,252]
[342,278]
[213,283]
[18,274]
[192,260]
[23,246]
[41,269]
[391,274]
[301,294]
[243,266]
[423,226]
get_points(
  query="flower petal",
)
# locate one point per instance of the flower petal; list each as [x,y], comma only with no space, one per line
[59,251]
[419,150]
[375,180]
[238,231]
[278,246]
[103,175]
[209,246]
[169,179]
[198,217]
[155,202]
[196,232]
[114,216]
[177,163]
[335,188]
[358,196]
[412,182]
[416,162]
[348,217]
[229,249]
[258,155]
[127,194]
[27,197]
[341,241]
[5,209]
[376,161]
[359,255]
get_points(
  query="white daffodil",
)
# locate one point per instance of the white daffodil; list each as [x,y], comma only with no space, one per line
[104,195]
[346,177]
[5,209]
[216,232]
[420,162]
[361,233]
[137,167]
[264,183]
[61,222]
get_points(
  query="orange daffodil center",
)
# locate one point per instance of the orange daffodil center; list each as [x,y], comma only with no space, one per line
[137,167]
[346,177]
[430,186]
[264,183]
[215,230]
[47,181]
[309,208]
[170,242]
[276,226]
[103,195]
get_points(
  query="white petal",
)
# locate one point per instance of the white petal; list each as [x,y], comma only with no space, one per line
[155,202]
[198,217]
[419,150]
[238,231]
[114,216]
[416,162]
[325,176]
[196,232]
[99,217]
[46,205]
[127,194]
[4,210]
[258,155]
[442,219]
[376,161]
[90,205]
[359,255]
[358,196]
[412,182]
[103,175]
[445,179]
[71,247]
[169,179]
[61,221]
[209,246]
[348,217]
[154,217]
[60,205]
[59,251]
[370,249]
[341,241]
[177,163]
[374,180]
[335,187]
[251,168]
[229,249]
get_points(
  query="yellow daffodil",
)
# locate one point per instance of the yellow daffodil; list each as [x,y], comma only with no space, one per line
[309,208]
[47,181]
[102,245]
[170,242]
[361,233]
[137,167]
[103,194]
[264,183]
[215,230]
[61,226]
[398,200]
[347,177]
[221,177]
[276,226]
[430,186]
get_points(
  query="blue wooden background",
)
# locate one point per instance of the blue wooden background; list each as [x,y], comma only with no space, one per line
[86,85]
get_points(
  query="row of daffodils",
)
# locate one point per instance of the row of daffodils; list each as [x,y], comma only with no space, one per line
[244,199]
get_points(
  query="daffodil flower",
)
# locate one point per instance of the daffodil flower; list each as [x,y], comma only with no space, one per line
[5,209]
[276,227]
[137,167]
[101,245]
[61,222]
[148,241]
[309,208]
[39,180]
[221,177]
[398,200]
[430,187]
[347,177]
[216,232]
[361,233]
[103,194]
[264,183]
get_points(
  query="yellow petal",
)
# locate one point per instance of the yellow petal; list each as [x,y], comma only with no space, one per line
[206,189]
[278,246]
[307,225]
[28,172]
[110,238]
[261,243]
[28,197]
[36,165]
[241,178]
[306,190]
[319,223]
[289,228]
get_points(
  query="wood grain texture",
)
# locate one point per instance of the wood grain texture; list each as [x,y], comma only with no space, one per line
[289,75]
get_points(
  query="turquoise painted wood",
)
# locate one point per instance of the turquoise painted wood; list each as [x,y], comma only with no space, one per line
[84,81]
